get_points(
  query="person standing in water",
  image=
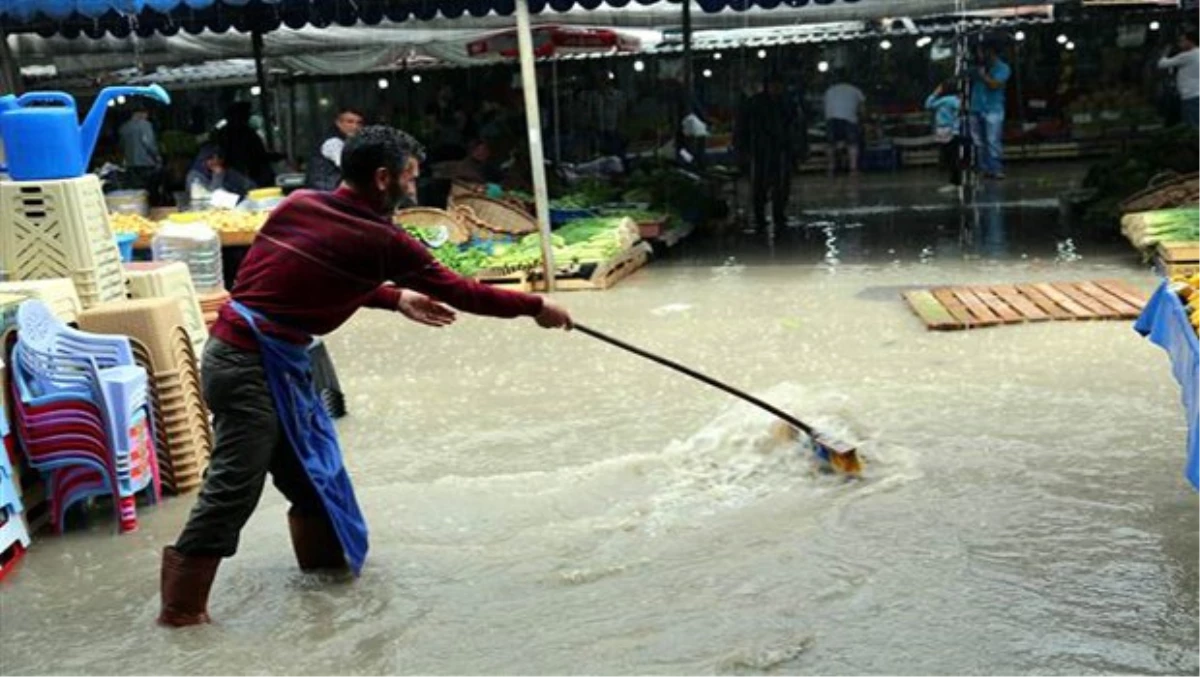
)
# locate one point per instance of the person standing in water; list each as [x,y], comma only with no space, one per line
[987,110]
[319,258]
[946,105]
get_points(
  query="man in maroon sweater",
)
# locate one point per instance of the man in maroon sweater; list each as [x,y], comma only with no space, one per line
[318,259]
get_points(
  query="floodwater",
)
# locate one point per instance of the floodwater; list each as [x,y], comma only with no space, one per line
[542,503]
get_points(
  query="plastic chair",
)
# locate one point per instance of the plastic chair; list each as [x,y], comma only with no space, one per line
[82,401]
[67,440]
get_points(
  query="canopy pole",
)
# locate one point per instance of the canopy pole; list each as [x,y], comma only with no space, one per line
[687,55]
[557,106]
[10,72]
[533,125]
[260,74]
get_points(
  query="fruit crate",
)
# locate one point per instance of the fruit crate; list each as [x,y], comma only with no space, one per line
[1177,259]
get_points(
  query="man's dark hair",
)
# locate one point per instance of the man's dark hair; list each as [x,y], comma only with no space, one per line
[1190,34]
[351,109]
[374,147]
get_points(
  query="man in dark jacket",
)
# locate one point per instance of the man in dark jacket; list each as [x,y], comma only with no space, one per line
[242,147]
[325,165]
[764,140]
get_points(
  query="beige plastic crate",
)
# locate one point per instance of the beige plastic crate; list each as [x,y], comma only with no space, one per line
[60,229]
[161,279]
[58,293]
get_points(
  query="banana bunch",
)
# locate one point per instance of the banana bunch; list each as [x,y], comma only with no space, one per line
[1188,290]
[132,223]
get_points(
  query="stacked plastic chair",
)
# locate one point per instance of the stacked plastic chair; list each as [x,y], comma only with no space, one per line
[160,346]
[58,293]
[210,305]
[170,279]
[81,415]
[60,228]
[14,534]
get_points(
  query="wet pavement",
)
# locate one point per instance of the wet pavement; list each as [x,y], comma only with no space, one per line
[541,503]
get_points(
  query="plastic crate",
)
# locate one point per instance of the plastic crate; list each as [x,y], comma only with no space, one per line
[160,279]
[59,293]
[60,229]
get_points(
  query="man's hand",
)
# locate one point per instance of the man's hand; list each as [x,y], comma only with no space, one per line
[553,316]
[424,310]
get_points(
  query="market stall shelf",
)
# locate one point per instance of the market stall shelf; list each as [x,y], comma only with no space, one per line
[971,307]
[1164,322]
[1177,259]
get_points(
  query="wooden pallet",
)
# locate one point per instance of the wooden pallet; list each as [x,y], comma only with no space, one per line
[604,276]
[970,307]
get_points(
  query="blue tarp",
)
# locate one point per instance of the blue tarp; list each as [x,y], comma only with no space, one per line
[1164,321]
[95,18]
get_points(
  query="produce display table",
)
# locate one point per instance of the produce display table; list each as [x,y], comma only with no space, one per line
[1165,323]
[228,239]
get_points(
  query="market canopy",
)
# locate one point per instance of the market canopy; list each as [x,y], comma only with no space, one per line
[96,18]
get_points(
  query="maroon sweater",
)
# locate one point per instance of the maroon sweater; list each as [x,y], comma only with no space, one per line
[322,256]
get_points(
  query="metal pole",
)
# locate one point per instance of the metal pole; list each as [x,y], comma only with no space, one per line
[10,71]
[557,116]
[687,54]
[533,125]
[264,104]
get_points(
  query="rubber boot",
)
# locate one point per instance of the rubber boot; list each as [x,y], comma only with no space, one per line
[186,582]
[316,543]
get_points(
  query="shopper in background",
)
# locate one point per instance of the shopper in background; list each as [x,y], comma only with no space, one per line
[1186,63]
[325,166]
[987,110]
[844,105]
[764,139]
[242,147]
[319,258]
[209,173]
[139,145]
[946,106]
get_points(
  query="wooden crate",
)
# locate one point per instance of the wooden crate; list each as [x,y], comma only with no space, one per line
[604,276]
[1177,258]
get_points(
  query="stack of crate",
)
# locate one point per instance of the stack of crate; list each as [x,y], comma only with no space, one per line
[60,229]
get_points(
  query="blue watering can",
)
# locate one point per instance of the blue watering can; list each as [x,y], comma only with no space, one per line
[47,142]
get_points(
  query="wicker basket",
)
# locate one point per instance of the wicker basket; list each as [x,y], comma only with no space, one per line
[1164,193]
[460,188]
[496,216]
[428,217]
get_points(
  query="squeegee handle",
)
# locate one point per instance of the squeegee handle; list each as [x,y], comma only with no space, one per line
[807,430]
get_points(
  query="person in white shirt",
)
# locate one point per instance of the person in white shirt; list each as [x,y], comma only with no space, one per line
[843,106]
[1186,63]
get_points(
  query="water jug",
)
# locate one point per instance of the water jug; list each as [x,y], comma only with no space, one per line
[48,142]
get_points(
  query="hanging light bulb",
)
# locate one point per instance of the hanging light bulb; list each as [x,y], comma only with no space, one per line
[121,99]
[639,65]
[716,56]
[416,78]
[612,75]
[924,40]
[383,83]
[823,66]
[255,90]
[1061,39]
[885,44]
[708,72]
[1070,46]
[762,53]
[111,103]
[1154,25]
[1020,36]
